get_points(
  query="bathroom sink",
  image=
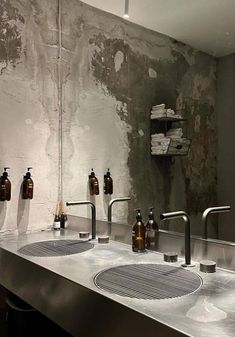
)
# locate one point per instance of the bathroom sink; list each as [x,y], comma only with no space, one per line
[55,248]
[148,281]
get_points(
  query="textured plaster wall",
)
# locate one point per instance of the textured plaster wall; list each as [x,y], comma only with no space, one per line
[113,72]
[29,109]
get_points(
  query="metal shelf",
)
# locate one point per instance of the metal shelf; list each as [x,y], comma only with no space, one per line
[168,119]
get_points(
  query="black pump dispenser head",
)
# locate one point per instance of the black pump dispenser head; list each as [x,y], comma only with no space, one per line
[5,173]
[138,216]
[151,216]
[92,175]
[108,173]
[28,174]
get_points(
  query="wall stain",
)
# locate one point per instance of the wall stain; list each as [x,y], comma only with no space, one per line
[10,39]
[200,167]
[133,85]
[151,175]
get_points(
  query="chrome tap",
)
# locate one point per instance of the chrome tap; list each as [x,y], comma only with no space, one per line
[93,213]
[111,204]
[220,209]
[187,249]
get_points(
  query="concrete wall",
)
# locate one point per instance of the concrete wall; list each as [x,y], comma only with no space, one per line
[110,74]
[113,72]
[29,109]
[226,140]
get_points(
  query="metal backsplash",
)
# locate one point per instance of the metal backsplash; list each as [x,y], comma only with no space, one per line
[222,252]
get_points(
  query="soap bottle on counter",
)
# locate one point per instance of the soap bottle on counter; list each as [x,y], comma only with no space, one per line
[63,220]
[151,230]
[93,184]
[56,223]
[27,188]
[138,234]
[108,183]
[5,186]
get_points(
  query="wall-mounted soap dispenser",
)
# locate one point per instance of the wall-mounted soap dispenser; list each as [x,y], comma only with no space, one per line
[27,186]
[93,184]
[108,183]
[5,186]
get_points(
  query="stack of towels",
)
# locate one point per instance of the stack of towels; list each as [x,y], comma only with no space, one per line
[158,111]
[159,143]
[161,111]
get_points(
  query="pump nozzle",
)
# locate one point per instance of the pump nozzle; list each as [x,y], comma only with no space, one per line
[92,173]
[5,173]
[138,216]
[28,173]
[151,216]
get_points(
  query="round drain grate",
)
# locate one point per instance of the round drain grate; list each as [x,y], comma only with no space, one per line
[148,281]
[55,248]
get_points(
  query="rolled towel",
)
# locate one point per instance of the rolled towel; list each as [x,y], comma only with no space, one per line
[170,112]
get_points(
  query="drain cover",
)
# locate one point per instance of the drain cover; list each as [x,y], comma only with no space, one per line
[55,248]
[148,281]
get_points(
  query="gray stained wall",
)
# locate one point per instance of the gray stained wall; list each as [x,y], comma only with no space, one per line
[112,72]
[226,141]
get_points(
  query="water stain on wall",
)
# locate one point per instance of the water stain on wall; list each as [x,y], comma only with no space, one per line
[10,39]
[138,87]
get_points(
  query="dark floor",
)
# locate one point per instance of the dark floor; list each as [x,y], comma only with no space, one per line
[24,323]
[3,324]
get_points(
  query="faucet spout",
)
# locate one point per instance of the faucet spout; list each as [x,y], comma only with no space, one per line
[111,204]
[93,213]
[219,209]
[187,236]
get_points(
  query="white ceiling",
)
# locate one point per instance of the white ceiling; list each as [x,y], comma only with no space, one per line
[208,25]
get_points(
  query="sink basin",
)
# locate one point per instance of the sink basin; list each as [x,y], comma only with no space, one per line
[55,248]
[148,281]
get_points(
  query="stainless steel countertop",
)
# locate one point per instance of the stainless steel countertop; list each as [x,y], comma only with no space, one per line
[50,284]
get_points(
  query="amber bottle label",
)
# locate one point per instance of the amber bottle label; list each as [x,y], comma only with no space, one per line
[138,243]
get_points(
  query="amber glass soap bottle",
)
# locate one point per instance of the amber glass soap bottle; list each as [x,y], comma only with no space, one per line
[93,184]
[138,234]
[5,186]
[27,188]
[108,183]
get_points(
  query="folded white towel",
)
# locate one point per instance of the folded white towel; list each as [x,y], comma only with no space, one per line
[158,152]
[158,106]
[158,135]
[160,141]
[158,113]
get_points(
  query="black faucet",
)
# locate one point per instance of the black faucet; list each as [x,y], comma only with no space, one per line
[111,204]
[93,214]
[187,249]
[208,211]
